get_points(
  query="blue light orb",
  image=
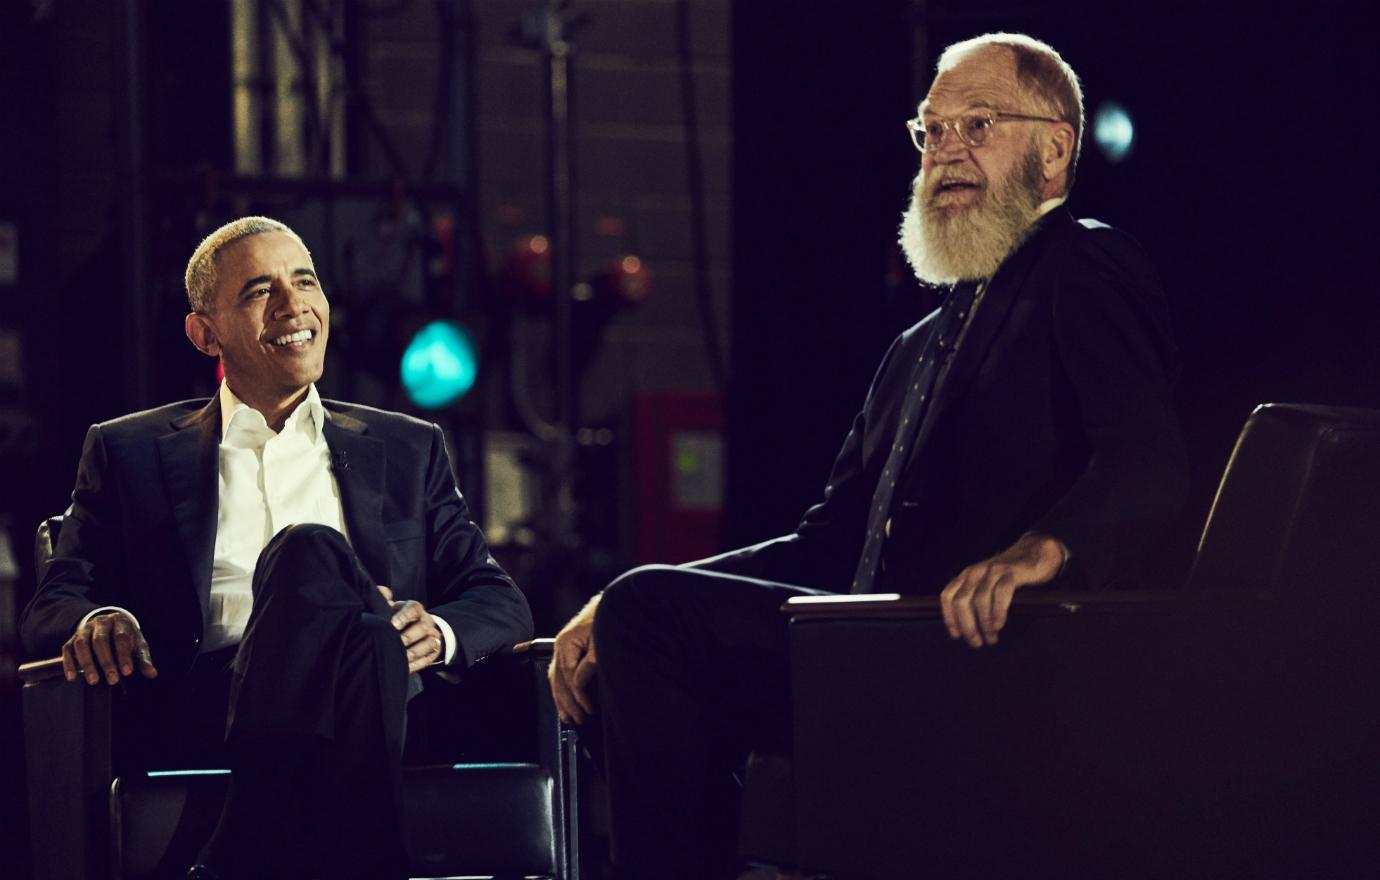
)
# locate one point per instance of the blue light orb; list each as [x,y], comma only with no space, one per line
[439,365]
[1113,131]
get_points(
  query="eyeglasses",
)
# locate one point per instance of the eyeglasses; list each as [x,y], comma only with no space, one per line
[973,128]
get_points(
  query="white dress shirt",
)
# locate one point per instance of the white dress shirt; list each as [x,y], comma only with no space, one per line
[267,481]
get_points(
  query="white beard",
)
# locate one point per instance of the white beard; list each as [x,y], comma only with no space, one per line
[945,245]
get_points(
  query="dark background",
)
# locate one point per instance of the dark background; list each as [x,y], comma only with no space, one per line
[1252,184]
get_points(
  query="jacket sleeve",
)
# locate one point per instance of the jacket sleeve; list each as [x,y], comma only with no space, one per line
[1112,337]
[81,557]
[823,550]
[467,588]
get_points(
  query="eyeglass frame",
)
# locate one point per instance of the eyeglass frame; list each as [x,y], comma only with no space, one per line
[917,125]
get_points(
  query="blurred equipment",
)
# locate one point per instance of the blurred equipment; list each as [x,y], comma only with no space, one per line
[439,364]
[1113,131]
[678,475]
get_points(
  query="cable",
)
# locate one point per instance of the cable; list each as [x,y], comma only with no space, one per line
[441,129]
[699,235]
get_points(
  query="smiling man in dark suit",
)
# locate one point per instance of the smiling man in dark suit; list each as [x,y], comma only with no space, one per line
[288,560]
[1022,433]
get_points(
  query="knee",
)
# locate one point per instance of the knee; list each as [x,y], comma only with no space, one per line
[304,538]
[637,602]
[309,559]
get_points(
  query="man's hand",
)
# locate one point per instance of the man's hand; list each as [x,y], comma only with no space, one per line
[573,666]
[420,635]
[108,646]
[976,602]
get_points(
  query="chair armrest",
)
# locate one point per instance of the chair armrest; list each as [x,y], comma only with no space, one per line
[39,671]
[893,606]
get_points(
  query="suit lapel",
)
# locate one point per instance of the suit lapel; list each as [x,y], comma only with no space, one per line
[188,457]
[359,471]
[986,326]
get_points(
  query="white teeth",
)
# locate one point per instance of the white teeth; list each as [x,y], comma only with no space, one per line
[299,336]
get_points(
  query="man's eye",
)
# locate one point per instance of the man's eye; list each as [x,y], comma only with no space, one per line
[934,130]
[978,123]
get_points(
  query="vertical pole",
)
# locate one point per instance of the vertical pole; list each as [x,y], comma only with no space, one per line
[138,314]
[560,155]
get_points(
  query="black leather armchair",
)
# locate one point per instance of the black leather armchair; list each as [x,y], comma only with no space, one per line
[506,820]
[1227,730]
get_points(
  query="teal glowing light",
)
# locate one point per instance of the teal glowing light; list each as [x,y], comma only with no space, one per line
[1113,131]
[439,365]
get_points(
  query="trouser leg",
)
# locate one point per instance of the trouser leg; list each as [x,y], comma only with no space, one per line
[693,673]
[315,720]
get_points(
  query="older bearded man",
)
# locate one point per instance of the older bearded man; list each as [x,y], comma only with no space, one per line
[1021,433]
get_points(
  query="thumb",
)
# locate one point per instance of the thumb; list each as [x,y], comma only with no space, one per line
[145,659]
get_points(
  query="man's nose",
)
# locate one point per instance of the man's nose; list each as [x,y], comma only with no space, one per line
[289,301]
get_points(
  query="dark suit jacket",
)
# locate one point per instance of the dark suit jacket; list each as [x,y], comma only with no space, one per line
[1055,417]
[141,530]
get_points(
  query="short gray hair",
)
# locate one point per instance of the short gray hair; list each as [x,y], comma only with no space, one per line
[201,268]
[1044,75]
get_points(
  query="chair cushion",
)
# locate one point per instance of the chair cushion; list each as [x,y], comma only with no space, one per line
[460,819]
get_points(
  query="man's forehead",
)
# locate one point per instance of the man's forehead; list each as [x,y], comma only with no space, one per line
[257,256]
[984,78]
[266,250]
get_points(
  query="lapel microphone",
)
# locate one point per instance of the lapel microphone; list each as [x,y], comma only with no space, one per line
[340,462]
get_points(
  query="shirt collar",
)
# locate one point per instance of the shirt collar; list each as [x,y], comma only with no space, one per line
[310,410]
[1050,204]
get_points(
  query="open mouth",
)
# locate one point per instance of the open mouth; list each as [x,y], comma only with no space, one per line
[296,340]
[955,186]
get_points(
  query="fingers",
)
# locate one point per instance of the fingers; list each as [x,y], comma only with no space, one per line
[584,674]
[1001,606]
[86,663]
[977,603]
[424,653]
[145,658]
[108,646]
[387,593]
[405,614]
[101,633]
[70,666]
[419,634]
[573,703]
[956,603]
[124,640]
[567,707]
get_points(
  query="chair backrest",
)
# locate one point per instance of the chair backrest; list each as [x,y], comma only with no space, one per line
[44,542]
[1298,507]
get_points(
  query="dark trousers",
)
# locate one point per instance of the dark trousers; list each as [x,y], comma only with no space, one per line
[317,699]
[693,674]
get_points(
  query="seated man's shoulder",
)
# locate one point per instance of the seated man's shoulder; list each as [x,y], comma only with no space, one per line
[1090,248]
[380,422]
[1092,239]
[159,420]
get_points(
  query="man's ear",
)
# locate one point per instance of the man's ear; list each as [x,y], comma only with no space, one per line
[1056,150]
[202,334]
